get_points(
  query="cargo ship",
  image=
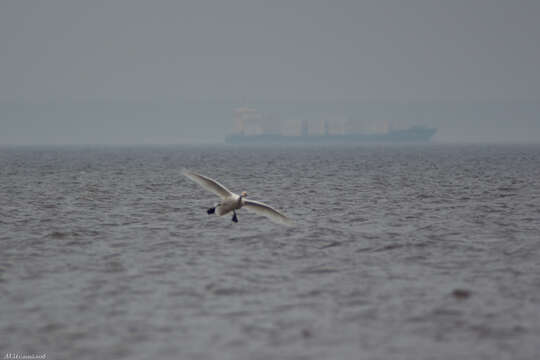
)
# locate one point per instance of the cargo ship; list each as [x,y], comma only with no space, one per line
[249,131]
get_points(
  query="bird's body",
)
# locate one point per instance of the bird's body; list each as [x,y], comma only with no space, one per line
[229,204]
[232,202]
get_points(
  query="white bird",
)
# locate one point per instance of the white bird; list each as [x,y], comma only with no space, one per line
[232,202]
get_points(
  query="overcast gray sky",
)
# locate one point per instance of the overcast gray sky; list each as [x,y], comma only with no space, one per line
[234,52]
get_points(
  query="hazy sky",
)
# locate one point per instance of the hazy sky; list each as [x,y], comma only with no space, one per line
[269,51]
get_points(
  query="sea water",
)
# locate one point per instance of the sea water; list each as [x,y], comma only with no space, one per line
[399,252]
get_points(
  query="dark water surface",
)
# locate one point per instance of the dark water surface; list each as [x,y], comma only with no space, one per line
[412,252]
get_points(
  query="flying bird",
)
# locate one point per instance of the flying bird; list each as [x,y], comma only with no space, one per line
[232,202]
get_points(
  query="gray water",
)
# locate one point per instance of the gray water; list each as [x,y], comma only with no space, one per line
[410,252]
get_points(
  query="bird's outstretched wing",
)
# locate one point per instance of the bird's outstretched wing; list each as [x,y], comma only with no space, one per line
[268,211]
[208,184]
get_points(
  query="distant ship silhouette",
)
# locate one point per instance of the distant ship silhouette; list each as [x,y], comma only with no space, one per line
[250,130]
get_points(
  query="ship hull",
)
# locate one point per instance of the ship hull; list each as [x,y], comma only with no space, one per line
[411,135]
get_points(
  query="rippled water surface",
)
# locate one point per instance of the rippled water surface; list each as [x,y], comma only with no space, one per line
[410,252]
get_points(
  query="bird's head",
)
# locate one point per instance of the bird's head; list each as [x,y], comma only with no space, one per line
[243,194]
